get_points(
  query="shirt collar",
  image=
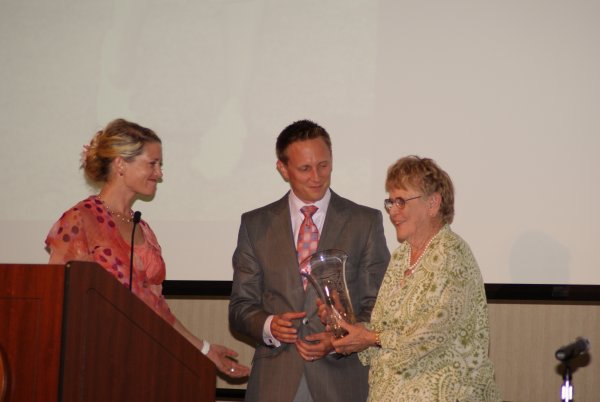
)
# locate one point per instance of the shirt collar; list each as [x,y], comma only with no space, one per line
[296,203]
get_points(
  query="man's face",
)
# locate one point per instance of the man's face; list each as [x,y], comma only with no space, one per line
[308,169]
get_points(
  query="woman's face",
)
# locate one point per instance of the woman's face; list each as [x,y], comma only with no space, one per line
[413,220]
[143,173]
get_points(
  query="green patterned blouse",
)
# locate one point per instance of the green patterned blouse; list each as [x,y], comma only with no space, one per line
[434,328]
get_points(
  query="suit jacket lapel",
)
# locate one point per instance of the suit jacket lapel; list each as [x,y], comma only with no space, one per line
[285,244]
[335,222]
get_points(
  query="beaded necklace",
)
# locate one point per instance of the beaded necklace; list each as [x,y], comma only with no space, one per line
[122,217]
[412,268]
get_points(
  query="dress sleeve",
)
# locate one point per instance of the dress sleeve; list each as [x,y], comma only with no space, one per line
[366,355]
[67,240]
[162,308]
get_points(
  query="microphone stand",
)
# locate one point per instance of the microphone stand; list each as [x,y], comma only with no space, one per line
[136,219]
[566,391]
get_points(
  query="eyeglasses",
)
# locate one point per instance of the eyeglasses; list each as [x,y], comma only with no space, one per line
[400,202]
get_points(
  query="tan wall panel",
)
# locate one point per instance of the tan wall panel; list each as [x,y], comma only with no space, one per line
[524,338]
[207,319]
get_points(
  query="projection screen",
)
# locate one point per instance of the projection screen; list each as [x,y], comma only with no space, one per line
[504,95]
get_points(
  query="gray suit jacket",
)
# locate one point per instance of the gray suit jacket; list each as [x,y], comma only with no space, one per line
[267,281]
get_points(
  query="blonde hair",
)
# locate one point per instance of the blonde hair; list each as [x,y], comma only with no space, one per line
[119,138]
[425,175]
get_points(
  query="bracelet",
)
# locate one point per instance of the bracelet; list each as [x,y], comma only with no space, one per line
[377,340]
[205,347]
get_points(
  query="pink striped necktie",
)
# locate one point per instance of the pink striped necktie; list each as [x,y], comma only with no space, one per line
[308,239]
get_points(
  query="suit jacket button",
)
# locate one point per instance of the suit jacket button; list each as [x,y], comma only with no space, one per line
[305,321]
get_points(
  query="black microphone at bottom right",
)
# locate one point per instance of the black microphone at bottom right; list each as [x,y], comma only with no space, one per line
[574,349]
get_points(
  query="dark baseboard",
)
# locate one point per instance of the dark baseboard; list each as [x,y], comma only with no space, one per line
[230,394]
[561,294]
[496,292]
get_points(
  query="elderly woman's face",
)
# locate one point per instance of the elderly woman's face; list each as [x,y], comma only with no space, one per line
[414,218]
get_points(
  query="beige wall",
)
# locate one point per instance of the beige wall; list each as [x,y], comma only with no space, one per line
[524,338]
[207,318]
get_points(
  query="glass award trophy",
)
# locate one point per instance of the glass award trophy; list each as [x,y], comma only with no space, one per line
[326,272]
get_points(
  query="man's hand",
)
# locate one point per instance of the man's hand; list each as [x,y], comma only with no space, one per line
[282,327]
[315,346]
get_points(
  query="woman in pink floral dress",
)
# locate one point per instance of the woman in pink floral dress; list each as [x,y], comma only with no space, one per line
[126,159]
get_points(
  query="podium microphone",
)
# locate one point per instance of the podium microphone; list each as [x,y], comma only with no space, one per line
[137,216]
[574,349]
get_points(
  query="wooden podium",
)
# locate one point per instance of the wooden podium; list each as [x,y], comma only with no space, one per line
[74,333]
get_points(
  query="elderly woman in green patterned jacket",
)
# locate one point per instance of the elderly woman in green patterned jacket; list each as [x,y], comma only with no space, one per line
[428,336]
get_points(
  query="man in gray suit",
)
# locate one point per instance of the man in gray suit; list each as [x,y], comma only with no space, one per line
[294,360]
